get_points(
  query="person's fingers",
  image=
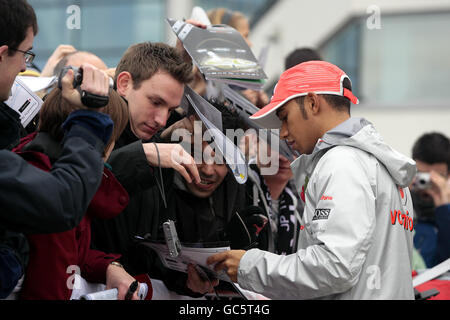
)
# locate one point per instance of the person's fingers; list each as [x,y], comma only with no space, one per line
[219,266]
[67,80]
[173,156]
[135,294]
[102,79]
[61,51]
[193,274]
[65,50]
[437,179]
[195,282]
[432,193]
[216,257]
[191,167]
[68,92]
[105,81]
[65,47]
[88,79]
[187,162]
[94,80]
[182,170]
[121,291]
[215,282]
[189,123]
[196,23]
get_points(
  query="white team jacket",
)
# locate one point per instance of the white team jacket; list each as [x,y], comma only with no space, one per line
[356,236]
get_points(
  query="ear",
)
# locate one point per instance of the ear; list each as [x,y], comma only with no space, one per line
[3,52]
[312,102]
[124,83]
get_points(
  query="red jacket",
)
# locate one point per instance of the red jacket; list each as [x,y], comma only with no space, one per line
[54,258]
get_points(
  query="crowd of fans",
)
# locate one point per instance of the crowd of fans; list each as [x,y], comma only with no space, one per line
[79,183]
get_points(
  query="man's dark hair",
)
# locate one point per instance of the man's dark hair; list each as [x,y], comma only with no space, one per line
[143,60]
[432,148]
[16,16]
[339,103]
[301,55]
[230,117]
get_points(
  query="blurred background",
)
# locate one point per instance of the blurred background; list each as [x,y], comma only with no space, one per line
[397,53]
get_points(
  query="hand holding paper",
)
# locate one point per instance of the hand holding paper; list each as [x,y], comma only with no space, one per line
[117,277]
[221,53]
[179,45]
[198,281]
[227,261]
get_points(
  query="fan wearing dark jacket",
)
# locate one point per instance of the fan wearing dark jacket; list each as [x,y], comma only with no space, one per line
[203,212]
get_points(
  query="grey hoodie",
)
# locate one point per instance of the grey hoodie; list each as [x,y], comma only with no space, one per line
[356,235]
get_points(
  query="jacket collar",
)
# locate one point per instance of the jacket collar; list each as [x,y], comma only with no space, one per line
[44,143]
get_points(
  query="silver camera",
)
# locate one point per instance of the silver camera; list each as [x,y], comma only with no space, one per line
[422,181]
[172,240]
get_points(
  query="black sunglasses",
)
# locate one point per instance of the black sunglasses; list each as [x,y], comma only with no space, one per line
[29,56]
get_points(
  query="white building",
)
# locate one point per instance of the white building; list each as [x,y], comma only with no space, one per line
[397,54]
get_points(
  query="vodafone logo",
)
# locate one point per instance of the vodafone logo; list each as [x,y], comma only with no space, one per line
[403,196]
[403,219]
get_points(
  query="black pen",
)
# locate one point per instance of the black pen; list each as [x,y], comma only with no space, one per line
[131,290]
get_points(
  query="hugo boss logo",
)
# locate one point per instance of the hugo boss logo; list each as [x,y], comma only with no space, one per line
[321,214]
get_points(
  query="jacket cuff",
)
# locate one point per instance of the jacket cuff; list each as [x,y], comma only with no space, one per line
[130,166]
[95,270]
[78,131]
[97,123]
[11,271]
[245,278]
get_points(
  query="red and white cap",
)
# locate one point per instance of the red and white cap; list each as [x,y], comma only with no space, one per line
[320,77]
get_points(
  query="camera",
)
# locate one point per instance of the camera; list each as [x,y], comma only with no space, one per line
[90,100]
[77,76]
[422,181]
[172,240]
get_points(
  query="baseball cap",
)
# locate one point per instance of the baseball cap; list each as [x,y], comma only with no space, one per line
[320,77]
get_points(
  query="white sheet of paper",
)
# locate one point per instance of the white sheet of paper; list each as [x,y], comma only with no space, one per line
[196,256]
[232,154]
[38,83]
[24,101]
[432,273]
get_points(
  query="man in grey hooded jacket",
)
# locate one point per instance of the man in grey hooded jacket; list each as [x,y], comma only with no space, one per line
[355,241]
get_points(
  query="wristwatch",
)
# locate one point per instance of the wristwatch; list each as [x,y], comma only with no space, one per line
[117,264]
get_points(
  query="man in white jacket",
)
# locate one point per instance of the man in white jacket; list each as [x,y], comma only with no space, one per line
[356,236]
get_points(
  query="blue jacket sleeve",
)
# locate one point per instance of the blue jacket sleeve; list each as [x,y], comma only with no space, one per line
[10,271]
[14,251]
[34,201]
[443,237]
